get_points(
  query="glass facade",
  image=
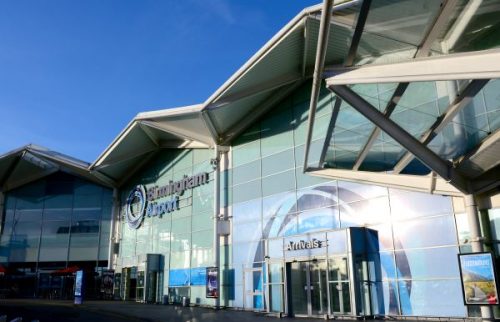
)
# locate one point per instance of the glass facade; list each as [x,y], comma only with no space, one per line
[412,256]
[56,222]
[183,237]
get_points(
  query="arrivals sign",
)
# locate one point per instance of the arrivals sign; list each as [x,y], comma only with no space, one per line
[158,200]
[302,244]
[478,279]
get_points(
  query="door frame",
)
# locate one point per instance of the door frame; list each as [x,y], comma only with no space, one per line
[288,298]
[251,270]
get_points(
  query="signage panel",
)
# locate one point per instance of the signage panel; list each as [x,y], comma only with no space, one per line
[151,201]
[212,286]
[79,287]
[478,279]
[308,245]
[107,282]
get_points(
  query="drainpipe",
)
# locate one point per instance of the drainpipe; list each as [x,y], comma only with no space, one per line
[216,167]
[476,242]
[115,211]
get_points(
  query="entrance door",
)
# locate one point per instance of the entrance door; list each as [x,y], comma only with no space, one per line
[308,288]
[253,295]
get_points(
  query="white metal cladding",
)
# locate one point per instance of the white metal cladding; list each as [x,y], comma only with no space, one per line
[472,65]
[33,162]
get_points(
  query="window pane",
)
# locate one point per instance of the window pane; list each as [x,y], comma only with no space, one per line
[203,239]
[278,162]
[246,172]
[56,214]
[28,215]
[247,191]
[428,263]
[432,298]
[436,231]
[247,252]
[278,183]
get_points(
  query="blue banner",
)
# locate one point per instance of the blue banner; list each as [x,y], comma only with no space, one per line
[179,277]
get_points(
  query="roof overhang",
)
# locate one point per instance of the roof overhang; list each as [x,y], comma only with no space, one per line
[279,67]
[146,134]
[31,162]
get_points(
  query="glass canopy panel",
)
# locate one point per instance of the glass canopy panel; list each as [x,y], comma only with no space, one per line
[475,122]
[473,25]
[394,29]
[420,106]
[352,130]
[383,155]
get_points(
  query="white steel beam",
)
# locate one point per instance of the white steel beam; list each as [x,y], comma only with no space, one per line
[437,28]
[324,33]
[427,184]
[181,144]
[168,129]
[473,65]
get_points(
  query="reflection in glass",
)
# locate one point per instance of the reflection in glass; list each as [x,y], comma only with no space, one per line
[340,298]
[432,297]
[338,268]
[425,232]
[276,298]
[428,263]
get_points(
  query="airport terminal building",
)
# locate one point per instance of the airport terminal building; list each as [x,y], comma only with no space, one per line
[339,173]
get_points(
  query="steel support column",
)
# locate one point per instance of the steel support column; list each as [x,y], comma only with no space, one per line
[216,242]
[115,216]
[476,241]
[324,31]
[427,156]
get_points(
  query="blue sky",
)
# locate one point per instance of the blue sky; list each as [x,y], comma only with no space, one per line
[74,73]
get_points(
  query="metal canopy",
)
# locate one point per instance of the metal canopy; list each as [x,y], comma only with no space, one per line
[31,162]
[146,134]
[285,62]
[466,157]
[457,140]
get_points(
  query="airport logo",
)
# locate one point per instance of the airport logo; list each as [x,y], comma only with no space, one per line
[136,204]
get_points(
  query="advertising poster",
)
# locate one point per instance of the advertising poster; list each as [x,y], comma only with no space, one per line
[478,279]
[79,287]
[107,282]
[212,282]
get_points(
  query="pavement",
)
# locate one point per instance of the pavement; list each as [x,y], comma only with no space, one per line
[115,311]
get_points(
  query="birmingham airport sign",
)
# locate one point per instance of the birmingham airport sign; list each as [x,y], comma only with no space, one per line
[151,201]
